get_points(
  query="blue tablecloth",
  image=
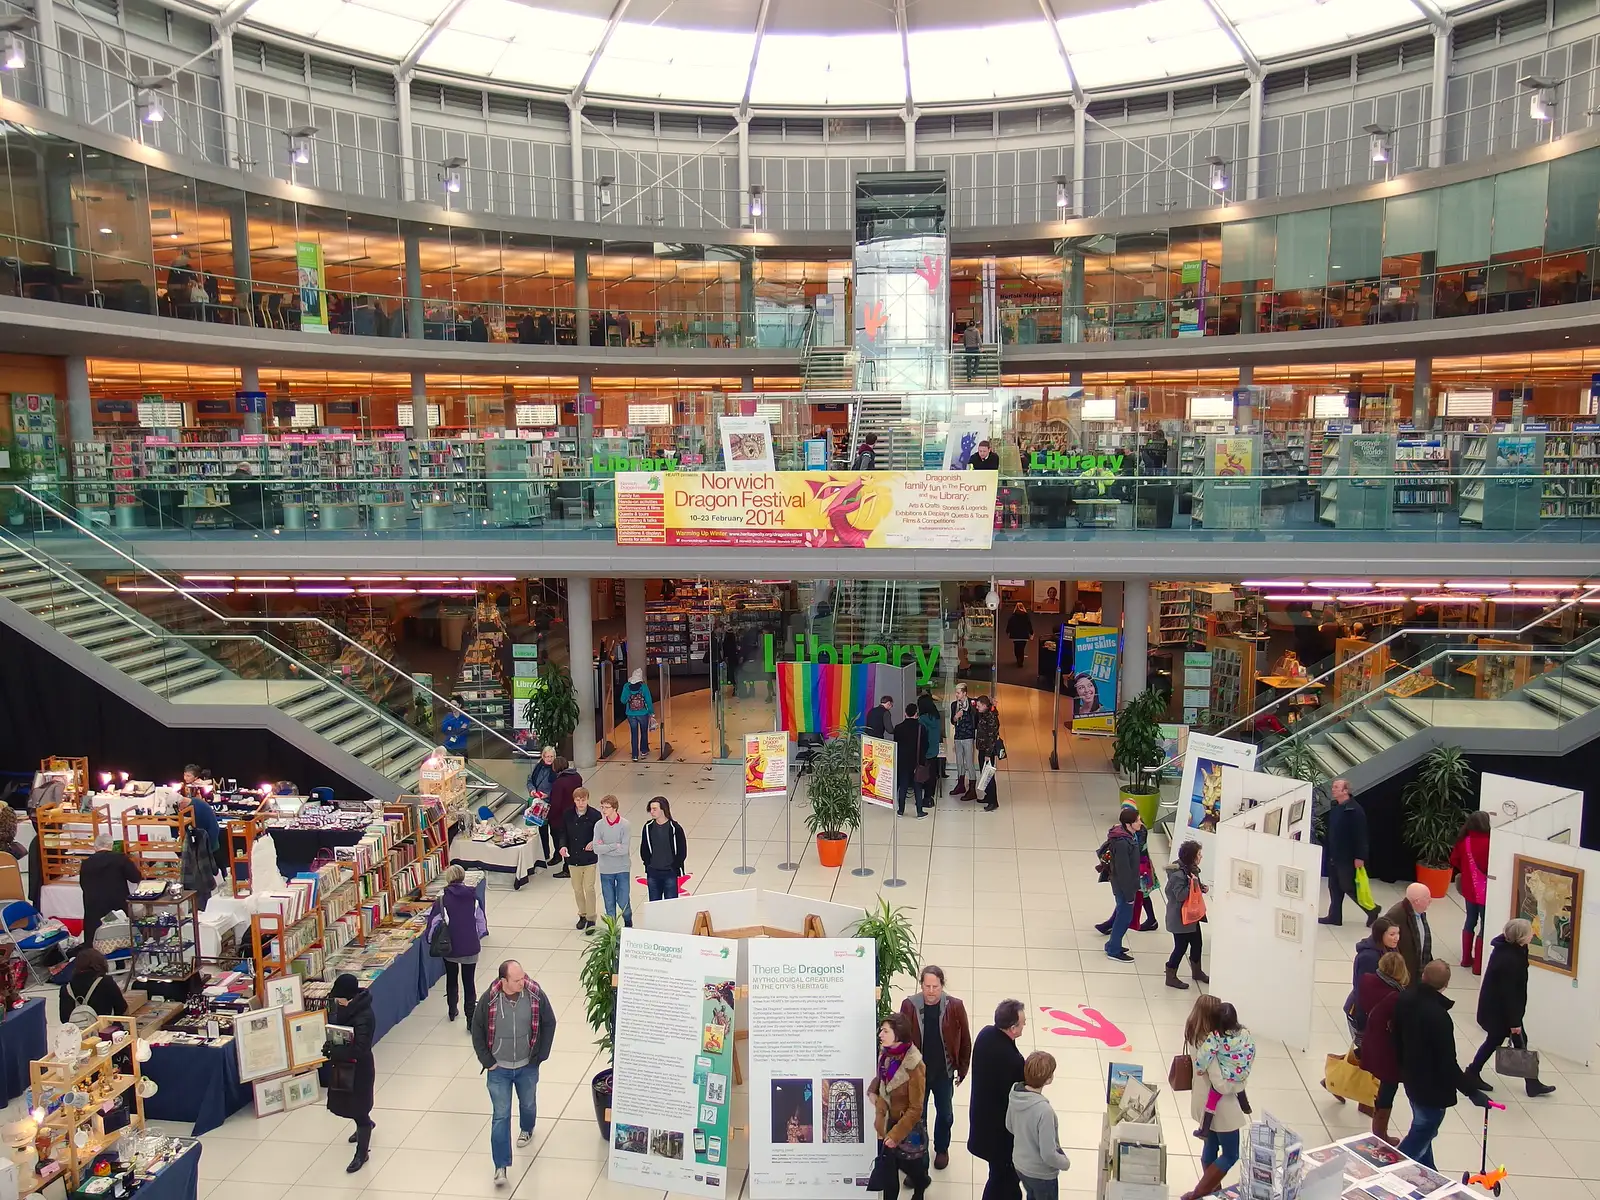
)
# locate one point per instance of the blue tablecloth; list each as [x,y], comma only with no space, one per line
[397,990]
[179,1181]
[22,1039]
[433,968]
[195,1083]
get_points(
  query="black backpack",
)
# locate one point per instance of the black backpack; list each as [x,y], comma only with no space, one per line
[1102,864]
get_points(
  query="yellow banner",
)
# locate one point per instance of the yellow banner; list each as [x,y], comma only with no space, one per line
[911,510]
[766,765]
[877,771]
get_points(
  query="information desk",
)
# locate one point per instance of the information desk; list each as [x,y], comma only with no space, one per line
[23,1038]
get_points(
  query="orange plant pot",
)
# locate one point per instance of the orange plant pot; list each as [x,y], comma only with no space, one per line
[831,848]
[1437,879]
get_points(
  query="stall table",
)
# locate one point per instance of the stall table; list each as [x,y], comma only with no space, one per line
[178,1180]
[198,1084]
[298,848]
[23,1038]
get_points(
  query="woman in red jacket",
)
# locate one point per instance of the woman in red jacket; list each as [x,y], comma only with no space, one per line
[1377,993]
[1470,858]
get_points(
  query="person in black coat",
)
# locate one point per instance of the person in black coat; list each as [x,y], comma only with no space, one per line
[1424,1040]
[996,1069]
[1503,1000]
[1346,852]
[351,1064]
[877,724]
[910,748]
[92,985]
[104,879]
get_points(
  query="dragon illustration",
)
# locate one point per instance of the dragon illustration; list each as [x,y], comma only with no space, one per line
[840,500]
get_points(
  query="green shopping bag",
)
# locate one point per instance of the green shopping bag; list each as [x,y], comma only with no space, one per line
[1363,889]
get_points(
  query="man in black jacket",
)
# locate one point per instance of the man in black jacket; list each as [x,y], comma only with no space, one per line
[1425,1043]
[878,719]
[910,749]
[1123,841]
[996,1069]
[1347,852]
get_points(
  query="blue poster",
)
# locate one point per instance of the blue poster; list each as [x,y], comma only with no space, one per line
[1093,686]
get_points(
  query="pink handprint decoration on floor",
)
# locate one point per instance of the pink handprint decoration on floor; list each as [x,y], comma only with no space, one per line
[1092,1025]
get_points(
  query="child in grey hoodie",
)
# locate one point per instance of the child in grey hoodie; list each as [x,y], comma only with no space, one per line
[611,846]
[1037,1156]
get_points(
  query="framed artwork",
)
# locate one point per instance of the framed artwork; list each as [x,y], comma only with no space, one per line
[1297,812]
[1272,822]
[1564,838]
[1286,924]
[284,992]
[1550,897]
[300,1090]
[1291,883]
[271,1096]
[259,1043]
[307,1031]
[1245,877]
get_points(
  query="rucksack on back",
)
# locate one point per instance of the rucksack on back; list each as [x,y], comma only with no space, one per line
[83,1014]
[1102,865]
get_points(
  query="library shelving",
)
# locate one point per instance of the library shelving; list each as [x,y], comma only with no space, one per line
[1174,609]
[1575,456]
[1424,464]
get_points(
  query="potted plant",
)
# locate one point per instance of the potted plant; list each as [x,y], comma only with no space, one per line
[551,711]
[1435,805]
[1137,751]
[898,953]
[835,798]
[597,976]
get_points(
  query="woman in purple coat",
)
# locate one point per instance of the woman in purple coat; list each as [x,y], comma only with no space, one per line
[469,925]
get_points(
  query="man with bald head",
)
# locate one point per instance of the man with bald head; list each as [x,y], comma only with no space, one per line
[1425,1045]
[512,1029]
[1410,916]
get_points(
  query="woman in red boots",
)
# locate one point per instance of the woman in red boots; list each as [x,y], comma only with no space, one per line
[1470,858]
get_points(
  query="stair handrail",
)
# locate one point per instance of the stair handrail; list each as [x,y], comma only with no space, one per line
[135,618]
[1590,592]
[228,619]
[1576,646]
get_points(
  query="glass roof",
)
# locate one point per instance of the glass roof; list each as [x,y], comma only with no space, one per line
[832,52]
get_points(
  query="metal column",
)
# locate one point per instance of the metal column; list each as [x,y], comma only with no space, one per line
[80,411]
[415,314]
[250,381]
[633,620]
[1135,637]
[1422,395]
[580,662]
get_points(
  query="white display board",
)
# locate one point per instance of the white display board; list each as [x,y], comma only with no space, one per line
[746,443]
[1541,824]
[1262,906]
[1200,800]
[672,1090]
[812,1057]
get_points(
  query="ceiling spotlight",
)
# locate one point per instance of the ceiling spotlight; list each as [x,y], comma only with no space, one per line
[604,186]
[757,201]
[1542,101]
[106,229]
[452,176]
[1063,194]
[147,99]
[300,144]
[1219,174]
[13,51]
[1378,139]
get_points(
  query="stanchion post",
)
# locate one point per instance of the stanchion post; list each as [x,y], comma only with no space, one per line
[744,867]
[893,879]
[863,870]
[788,863]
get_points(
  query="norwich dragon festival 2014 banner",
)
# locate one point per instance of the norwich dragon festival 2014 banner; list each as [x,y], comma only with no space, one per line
[906,510]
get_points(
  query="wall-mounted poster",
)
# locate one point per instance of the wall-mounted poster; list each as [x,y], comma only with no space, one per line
[673,1082]
[309,277]
[746,443]
[1550,896]
[1095,651]
[1233,456]
[1200,788]
[812,1057]
[877,771]
[961,443]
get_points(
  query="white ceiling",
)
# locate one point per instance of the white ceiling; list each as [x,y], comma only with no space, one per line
[832,52]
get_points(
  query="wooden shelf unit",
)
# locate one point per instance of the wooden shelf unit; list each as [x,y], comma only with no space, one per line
[286,943]
[76,768]
[49,1080]
[163,857]
[66,838]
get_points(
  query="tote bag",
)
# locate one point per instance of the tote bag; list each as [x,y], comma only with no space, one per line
[1194,904]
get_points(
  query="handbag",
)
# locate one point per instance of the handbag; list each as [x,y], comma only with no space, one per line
[439,939]
[1364,890]
[1194,904]
[1344,1077]
[998,750]
[1516,1062]
[341,1077]
[922,774]
[1180,1075]
[914,1146]
[884,1169]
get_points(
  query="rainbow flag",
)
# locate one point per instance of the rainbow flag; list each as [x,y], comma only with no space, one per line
[828,699]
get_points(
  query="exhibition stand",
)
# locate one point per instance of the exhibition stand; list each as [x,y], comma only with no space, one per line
[1200,808]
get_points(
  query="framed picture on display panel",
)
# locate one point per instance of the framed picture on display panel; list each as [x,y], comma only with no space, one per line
[307,1032]
[1286,924]
[300,1091]
[1245,878]
[1272,822]
[259,1043]
[1291,883]
[284,992]
[271,1095]
[1550,897]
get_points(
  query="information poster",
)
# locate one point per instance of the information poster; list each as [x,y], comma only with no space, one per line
[962,441]
[1200,790]
[1095,650]
[524,677]
[812,1058]
[746,444]
[308,276]
[877,771]
[673,1082]
[766,765]
[1233,456]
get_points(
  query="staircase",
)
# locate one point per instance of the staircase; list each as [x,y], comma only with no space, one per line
[828,369]
[884,413]
[187,668]
[985,368]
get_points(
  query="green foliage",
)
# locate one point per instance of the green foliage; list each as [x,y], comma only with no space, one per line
[1436,805]
[835,793]
[601,961]
[898,952]
[1136,751]
[552,711]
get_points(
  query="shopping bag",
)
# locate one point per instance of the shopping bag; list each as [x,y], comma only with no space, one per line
[1180,1075]
[1364,889]
[1344,1077]
[1516,1063]
[1194,904]
[884,1172]
[985,777]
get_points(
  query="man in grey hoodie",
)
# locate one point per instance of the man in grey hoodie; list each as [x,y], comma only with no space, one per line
[1037,1155]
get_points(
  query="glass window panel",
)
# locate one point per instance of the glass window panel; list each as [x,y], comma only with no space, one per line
[1519,202]
[1355,241]
[1302,250]
[1411,224]
[806,69]
[1465,210]
[1574,219]
[1276,27]
[990,61]
[1249,249]
[682,64]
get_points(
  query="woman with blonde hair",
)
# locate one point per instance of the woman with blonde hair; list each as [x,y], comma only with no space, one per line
[1376,996]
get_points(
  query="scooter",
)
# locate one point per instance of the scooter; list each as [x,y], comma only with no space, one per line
[1485,1178]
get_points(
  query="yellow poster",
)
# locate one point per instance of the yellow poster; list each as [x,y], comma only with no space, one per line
[766,765]
[877,771]
[1234,456]
[912,510]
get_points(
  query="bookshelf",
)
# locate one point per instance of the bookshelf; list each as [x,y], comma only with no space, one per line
[1233,677]
[1424,465]
[1173,614]
[1575,456]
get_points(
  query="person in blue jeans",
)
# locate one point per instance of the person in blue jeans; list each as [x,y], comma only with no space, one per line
[638,706]
[513,1028]
[1123,843]
[664,850]
[1424,1037]
[611,839]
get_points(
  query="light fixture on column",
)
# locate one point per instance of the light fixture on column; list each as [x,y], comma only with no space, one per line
[1542,97]
[452,176]
[1063,194]
[300,144]
[758,204]
[1219,174]
[1380,142]
[13,50]
[147,100]
[603,188]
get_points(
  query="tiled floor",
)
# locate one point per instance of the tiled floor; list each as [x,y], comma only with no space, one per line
[1004,902]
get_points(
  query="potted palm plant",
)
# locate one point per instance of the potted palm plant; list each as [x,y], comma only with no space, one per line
[551,712]
[597,976]
[1137,752]
[1435,805]
[897,949]
[835,798]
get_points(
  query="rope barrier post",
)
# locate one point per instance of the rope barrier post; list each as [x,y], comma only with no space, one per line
[893,879]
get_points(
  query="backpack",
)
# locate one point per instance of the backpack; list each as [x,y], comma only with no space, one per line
[1102,864]
[83,1014]
[636,701]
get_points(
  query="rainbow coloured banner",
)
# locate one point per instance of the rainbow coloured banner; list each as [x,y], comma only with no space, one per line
[829,699]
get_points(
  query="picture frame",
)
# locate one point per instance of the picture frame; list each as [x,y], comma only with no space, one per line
[301,1090]
[1286,924]
[284,991]
[307,1031]
[1297,812]
[1291,883]
[259,1044]
[1272,822]
[271,1095]
[1244,877]
[1550,896]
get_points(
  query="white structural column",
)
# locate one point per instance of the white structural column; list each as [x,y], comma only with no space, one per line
[230,93]
[80,410]
[910,119]
[419,405]
[50,77]
[250,381]
[1422,395]
[1252,177]
[1135,637]
[1441,84]
[1111,602]
[1080,155]
[633,622]
[744,171]
[575,127]
[580,661]
[402,113]
[580,297]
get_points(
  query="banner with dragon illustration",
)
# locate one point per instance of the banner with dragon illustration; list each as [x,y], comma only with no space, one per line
[900,510]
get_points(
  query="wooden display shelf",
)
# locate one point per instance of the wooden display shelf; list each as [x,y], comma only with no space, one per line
[50,1079]
[238,840]
[66,838]
[265,927]
[160,858]
[77,770]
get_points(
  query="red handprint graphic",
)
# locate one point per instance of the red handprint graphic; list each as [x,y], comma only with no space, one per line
[873,319]
[1096,1027]
[931,270]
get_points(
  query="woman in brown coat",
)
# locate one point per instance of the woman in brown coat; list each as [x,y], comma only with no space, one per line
[899,1092]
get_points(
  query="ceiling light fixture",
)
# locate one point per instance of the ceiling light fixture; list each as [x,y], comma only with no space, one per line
[453,175]
[757,201]
[1542,100]
[603,186]
[1219,174]
[147,98]
[300,144]
[1063,194]
[1380,145]
[13,51]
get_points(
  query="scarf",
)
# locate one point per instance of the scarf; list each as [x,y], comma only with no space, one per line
[889,1060]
